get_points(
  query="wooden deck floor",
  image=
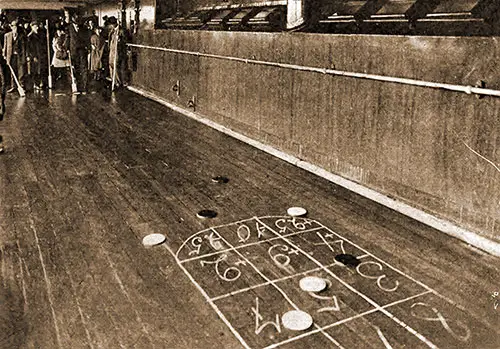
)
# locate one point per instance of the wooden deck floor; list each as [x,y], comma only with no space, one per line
[85,178]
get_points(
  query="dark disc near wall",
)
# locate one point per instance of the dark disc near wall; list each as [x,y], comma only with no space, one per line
[220,179]
[348,260]
[206,214]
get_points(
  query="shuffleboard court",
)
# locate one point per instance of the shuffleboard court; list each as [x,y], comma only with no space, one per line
[249,272]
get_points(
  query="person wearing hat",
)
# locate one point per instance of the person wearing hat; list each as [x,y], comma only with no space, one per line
[60,45]
[44,55]
[79,48]
[97,49]
[34,52]
[117,52]
[25,26]
[14,51]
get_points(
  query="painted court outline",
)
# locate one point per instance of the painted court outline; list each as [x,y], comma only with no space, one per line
[237,247]
[273,283]
[320,267]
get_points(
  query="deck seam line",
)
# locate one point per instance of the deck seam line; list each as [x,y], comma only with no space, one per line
[48,284]
[21,269]
[74,294]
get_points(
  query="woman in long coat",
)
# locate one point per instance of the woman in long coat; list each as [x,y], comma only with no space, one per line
[118,38]
[97,48]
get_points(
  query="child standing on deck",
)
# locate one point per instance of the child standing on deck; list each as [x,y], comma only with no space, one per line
[60,44]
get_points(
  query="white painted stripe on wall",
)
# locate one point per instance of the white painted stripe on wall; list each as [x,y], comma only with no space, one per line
[442,225]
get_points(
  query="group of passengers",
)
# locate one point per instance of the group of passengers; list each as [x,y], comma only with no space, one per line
[71,50]
[79,50]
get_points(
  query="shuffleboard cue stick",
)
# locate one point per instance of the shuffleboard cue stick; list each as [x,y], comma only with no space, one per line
[74,87]
[20,89]
[115,61]
[48,54]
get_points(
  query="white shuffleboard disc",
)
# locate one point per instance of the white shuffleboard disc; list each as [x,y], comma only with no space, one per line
[153,239]
[296,211]
[297,320]
[312,284]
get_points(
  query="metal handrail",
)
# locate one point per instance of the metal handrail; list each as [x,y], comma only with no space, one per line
[438,85]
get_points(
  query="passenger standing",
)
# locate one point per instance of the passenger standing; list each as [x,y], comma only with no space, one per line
[3,89]
[79,44]
[14,51]
[112,48]
[3,26]
[34,53]
[97,49]
[107,28]
[60,45]
[117,52]
[44,55]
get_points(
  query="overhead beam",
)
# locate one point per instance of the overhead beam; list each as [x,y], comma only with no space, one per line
[38,5]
